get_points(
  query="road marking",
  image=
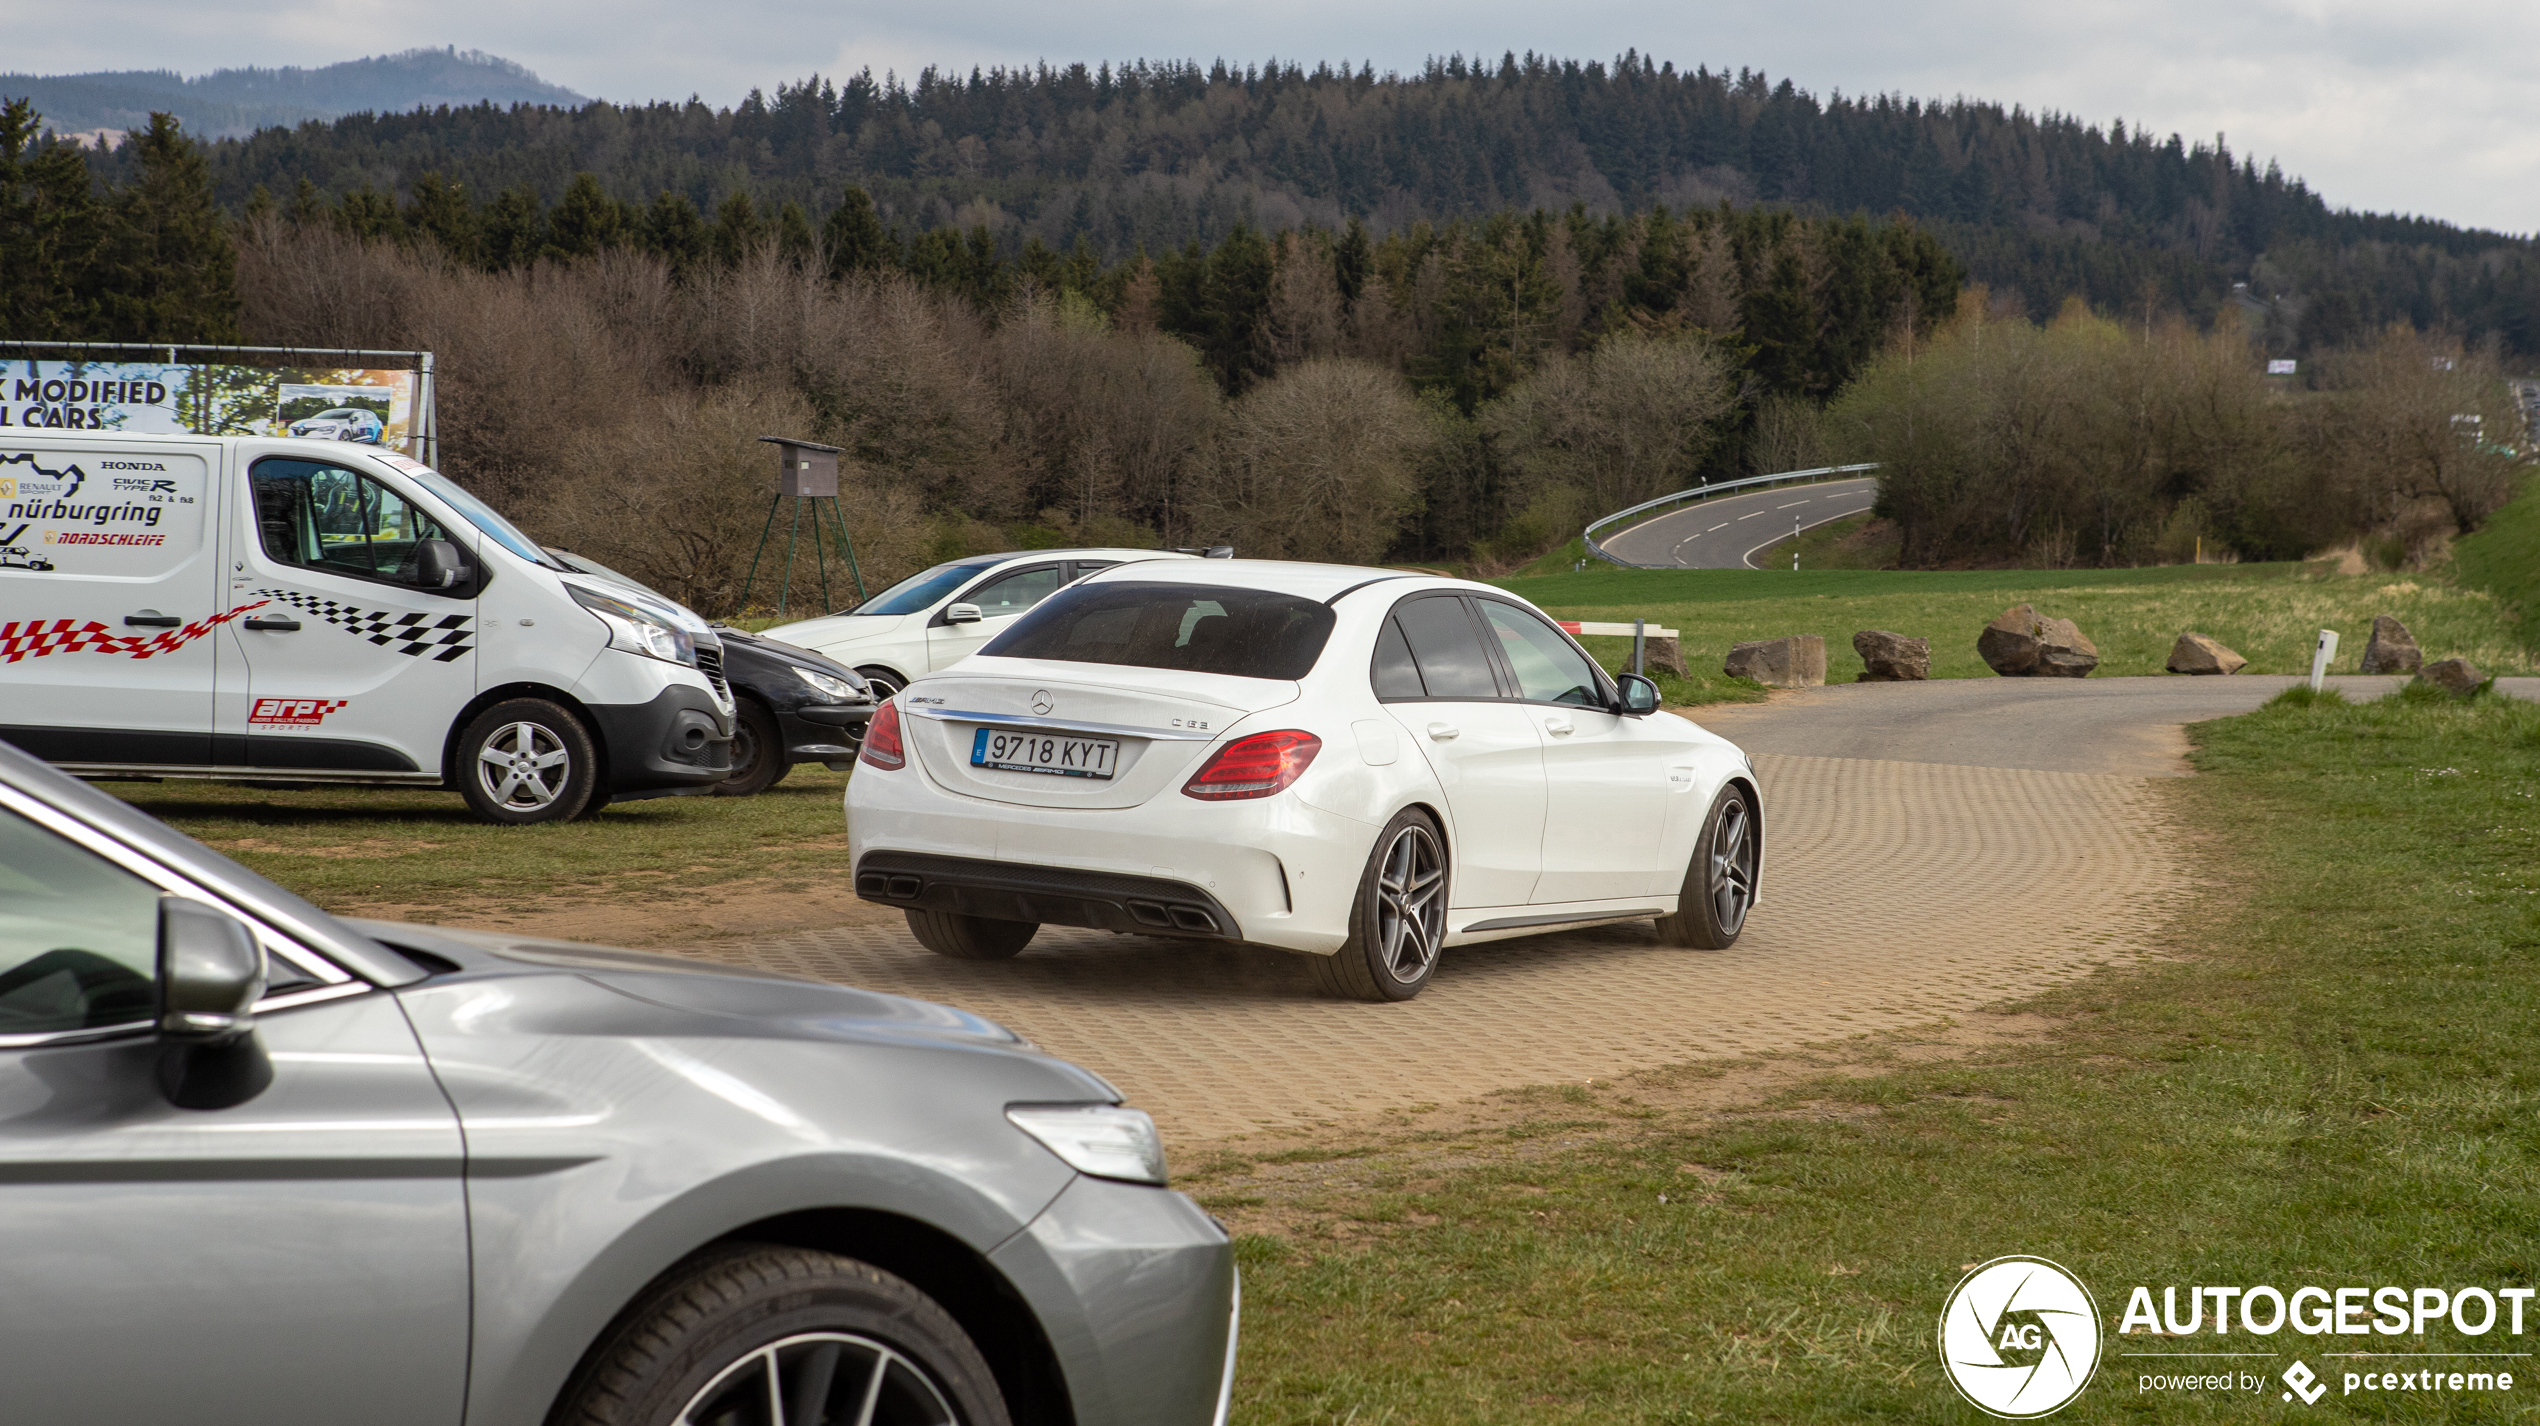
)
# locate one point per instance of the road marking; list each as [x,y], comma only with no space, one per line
[1759,512]
[1794,504]
[1715,529]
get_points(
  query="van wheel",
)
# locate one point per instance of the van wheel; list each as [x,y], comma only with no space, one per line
[751,1332]
[1397,925]
[758,752]
[525,761]
[970,938]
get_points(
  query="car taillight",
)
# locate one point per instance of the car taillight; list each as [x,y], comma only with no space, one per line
[1254,766]
[882,740]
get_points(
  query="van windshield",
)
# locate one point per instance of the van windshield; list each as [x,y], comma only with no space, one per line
[476,511]
[920,591]
[1201,628]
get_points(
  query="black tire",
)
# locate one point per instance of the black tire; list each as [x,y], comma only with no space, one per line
[1397,923]
[712,1328]
[501,787]
[758,751]
[971,938]
[883,682]
[1719,884]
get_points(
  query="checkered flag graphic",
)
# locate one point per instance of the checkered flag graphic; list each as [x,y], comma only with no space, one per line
[444,636]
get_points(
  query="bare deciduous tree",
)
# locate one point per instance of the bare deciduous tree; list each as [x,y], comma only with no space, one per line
[1317,464]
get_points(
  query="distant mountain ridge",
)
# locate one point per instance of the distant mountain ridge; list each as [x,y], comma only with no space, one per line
[233,103]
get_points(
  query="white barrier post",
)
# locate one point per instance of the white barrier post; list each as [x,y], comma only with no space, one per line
[2320,658]
[1638,626]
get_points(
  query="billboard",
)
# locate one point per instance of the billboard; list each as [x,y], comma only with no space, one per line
[371,406]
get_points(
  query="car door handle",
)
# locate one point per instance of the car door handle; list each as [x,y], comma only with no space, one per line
[1443,731]
[1558,727]
[277,623]
[151,619]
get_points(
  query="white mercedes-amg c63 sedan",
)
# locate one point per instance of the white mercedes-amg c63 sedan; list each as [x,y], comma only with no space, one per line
[1362,766]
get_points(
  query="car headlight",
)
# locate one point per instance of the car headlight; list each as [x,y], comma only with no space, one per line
[636,631]
[836,690]
[1099,1140]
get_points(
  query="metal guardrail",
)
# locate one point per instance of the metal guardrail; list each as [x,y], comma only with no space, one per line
[1705,492]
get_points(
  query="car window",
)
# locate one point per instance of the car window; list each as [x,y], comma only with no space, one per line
[1016,592]
[315,516]
[1548,669]
[1249,633]
[1082,568]
[1447,647]
[79,936]
[921,590]
[1393,674]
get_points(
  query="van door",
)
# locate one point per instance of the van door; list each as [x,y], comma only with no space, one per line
[108,596]
[350,667]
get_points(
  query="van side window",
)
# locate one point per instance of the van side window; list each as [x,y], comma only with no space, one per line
[324,517]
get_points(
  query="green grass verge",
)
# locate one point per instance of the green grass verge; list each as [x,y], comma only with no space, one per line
[2333,1082]
[1848,543]
[2269,613]
[349,846]
[2504,560]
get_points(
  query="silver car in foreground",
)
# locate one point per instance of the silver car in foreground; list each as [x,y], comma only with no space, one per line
[259,1165]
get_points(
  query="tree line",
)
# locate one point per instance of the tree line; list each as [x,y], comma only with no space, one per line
[1148,155]
[150,258]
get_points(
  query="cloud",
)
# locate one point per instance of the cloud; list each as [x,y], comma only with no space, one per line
[2413,107]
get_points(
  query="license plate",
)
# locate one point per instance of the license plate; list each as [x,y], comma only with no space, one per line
[1045,753]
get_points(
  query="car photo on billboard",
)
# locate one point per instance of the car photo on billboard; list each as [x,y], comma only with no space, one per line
[335,413]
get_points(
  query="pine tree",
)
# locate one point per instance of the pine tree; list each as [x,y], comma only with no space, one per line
[441,213]
[738,229]
[169,270]
[857,240]
[368,214]
[515,229]
[674,229]
[585,221]
[793,235]
[50,226]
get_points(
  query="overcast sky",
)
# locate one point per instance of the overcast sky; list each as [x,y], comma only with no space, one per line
[2419,106]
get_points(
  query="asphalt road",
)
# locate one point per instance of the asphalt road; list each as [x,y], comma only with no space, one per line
[1722,533]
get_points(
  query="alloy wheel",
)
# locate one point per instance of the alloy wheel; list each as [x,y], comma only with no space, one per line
[523,767]
[1410,904]
[1733,865]
[821,1379]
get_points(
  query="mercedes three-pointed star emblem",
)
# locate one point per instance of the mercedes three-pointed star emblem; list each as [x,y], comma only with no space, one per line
[1041,703]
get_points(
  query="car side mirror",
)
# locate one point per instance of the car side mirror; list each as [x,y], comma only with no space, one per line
[211,973]
[441,567]
[961,614]
[1640,695]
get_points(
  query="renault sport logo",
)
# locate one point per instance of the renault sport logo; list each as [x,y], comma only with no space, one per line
[2019,1337]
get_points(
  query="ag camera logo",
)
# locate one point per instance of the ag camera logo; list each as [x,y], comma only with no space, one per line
[2019,1337]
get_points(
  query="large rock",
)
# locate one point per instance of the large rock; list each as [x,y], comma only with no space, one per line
[1796,662]
[1666,655]
[2195,653]
[2391,649]
[2458,677]
[1892,658]
[2023,643]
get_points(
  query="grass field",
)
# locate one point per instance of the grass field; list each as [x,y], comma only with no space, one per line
[2269,613]
[352,846]
[2333,1080]
[2504,560]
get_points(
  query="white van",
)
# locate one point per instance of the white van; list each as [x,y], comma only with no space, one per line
[274,610]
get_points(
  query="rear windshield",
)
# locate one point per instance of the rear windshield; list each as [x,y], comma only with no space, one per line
[1249,633]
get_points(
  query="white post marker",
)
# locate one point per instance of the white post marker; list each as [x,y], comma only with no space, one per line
[2320,658]
[1639,631]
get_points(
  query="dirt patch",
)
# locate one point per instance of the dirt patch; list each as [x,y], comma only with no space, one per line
[1315,1183]
[370,848]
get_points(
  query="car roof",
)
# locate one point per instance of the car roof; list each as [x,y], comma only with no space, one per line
[1319,582]
[1113,554]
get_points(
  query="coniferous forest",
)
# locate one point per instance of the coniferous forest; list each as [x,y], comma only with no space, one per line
[1468,307]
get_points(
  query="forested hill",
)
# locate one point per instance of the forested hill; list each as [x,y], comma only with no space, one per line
[1155,155]
[238,102]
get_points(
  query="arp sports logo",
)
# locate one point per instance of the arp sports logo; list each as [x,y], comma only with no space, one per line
[2019,1337]
[293,712]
